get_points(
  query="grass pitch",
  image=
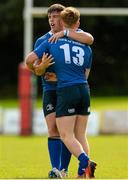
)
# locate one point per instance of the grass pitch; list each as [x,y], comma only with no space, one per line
[27,157]
[97,103]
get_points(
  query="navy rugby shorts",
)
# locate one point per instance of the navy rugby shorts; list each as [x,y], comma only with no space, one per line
[73,100]
[49,102]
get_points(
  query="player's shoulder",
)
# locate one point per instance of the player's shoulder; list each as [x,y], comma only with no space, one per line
[45,36]
[42,39]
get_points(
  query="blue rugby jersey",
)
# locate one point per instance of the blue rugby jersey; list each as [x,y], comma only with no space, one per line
[71,59]
[46,85]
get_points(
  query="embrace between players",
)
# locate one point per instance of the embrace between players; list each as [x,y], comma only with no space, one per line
[63,58]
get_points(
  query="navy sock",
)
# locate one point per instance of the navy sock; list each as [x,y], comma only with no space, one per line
[54,147]
[65,157]
[83,158]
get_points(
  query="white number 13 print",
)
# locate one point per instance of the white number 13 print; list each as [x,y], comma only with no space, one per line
[78,59]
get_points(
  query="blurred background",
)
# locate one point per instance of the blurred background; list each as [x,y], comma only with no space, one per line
[109,74]
[21,96]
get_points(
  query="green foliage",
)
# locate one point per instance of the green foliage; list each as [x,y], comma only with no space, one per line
[10,14]
[27,157]
[109,73]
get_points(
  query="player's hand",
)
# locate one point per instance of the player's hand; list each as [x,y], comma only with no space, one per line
[50,76]
[56,36]
[46,61]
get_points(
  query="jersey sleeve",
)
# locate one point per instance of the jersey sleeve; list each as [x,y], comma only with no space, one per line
[41,49]
[41,39]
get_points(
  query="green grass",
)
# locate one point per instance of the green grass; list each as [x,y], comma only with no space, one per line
[97,103]
[27,157]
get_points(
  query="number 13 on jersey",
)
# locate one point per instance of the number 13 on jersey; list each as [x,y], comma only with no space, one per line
[77,59]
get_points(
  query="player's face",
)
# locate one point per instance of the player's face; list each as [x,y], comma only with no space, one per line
[55,22]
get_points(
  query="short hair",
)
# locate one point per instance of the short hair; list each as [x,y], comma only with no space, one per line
[55,7]
[70,15]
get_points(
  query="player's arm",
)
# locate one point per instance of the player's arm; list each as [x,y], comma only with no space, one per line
[88,67]
[87,71]
[31,62]
[46,61]
[36,65]
[81,36]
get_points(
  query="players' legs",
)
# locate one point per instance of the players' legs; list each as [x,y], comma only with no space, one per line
[65,159]
[54,142]
[51,124]
[80,132]
[82,117]
[66,126]
[59,154]
[67,108]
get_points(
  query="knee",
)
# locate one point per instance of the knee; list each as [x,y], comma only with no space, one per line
[53,131]
[65,137]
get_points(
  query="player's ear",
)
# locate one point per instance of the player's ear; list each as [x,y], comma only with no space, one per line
[61,23]
[78,23]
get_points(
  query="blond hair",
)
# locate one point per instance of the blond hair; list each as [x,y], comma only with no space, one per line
[70,16]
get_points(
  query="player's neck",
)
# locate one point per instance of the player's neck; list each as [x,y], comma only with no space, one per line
[56,31]
[72,29]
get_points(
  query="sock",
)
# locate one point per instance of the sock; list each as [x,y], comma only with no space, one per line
[54,147]
[83,158]
[65,157]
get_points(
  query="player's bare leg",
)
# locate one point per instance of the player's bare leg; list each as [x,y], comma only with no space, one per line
[80,132]
[51,124]
[66,126]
